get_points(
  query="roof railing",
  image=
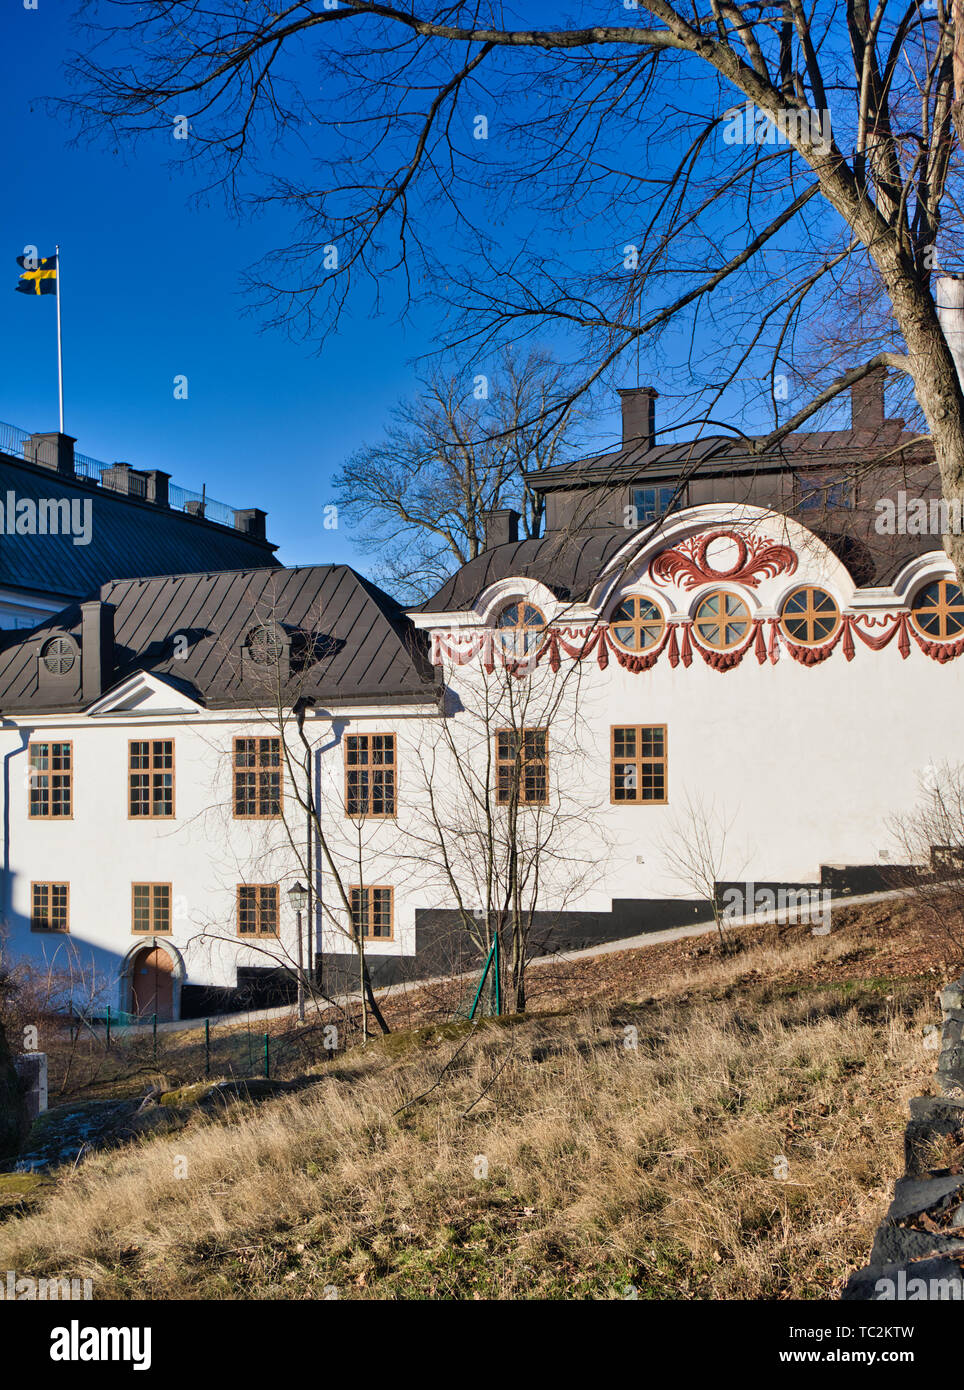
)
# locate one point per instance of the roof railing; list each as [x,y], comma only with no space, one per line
[15,442]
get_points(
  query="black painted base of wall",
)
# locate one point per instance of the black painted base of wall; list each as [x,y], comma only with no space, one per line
[441,948]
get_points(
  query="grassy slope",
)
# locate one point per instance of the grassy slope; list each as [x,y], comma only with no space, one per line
[611,1168]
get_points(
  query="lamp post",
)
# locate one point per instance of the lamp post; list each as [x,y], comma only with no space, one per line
[297,897]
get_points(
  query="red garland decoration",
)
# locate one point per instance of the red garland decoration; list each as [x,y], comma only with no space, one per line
[679,646]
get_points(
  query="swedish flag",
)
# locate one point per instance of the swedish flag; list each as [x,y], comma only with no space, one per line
[39,277]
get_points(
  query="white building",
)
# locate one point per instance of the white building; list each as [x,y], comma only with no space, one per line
[725,661]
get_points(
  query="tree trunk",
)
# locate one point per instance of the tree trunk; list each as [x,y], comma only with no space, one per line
[14,1125]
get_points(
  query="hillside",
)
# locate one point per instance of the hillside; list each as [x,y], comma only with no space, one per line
[740,1143]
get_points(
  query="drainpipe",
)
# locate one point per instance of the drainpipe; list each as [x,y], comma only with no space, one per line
[950,315]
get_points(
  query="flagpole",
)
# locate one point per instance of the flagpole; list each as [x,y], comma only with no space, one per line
[60,354]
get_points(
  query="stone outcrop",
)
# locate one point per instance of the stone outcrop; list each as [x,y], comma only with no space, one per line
[918,1252]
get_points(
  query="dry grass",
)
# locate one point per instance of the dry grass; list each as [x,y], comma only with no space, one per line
[610,1168]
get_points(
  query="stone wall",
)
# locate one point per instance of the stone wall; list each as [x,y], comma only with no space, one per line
[918,1253]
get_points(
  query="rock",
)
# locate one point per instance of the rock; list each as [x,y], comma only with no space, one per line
[897,1244]
[923,1281]
[915,1195]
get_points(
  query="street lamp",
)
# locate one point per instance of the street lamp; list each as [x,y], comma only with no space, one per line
[298,897]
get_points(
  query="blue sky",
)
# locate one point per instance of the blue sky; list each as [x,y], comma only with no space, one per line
[151,290]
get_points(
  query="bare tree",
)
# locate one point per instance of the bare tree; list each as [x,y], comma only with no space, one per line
[931,839]
[756,181]
[275,667]
[501,802]
[456,451]
[697,849]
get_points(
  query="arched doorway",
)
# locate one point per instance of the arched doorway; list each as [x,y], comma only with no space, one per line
[152,983]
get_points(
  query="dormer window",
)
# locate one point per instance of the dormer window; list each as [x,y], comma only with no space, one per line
[521,628]
[58,656]
[650,503]
[58,667]
[265,652]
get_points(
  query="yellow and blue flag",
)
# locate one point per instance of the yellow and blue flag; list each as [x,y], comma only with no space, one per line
[39,276]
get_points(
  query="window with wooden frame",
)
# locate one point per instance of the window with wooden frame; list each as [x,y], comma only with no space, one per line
[258,909]
[938,610]
[257,778]
[522,766]
[51,778]
[638,764]
[50,907]
[636,623]
[370,775]
[810,616]
[373,913]
[722,620]
[150,764]
[151,909]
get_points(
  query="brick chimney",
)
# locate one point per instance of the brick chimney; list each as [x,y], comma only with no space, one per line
[867,401]
[501,527]
[96,648]
[54,451]
[639,416]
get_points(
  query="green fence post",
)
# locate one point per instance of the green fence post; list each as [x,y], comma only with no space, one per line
[108,1025]
[266,1057]
[498,992]
[207,1047]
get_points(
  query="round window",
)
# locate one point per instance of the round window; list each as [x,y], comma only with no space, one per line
[636,624]
[938,610]
[521,627]
[265,645]
[722,620]
[59,656]
[810,616]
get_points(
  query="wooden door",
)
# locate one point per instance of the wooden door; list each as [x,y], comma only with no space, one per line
[153,983]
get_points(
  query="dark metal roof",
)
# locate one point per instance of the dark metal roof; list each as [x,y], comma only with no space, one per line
[350,642]
[128,537]
[568,563]
[727,454]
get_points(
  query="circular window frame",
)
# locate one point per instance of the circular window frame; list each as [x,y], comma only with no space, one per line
[637,623]
[272,636]
[943,610]
[520,628]
[723,620]
[67,648]
[809,617]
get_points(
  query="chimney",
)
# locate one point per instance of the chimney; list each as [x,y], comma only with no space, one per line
[867,401]
[96,648]
[157,482]
[501,527]
[54,451]
[950,314]
[639,416]
[252,522]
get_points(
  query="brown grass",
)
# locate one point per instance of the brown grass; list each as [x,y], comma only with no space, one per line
[650,1170]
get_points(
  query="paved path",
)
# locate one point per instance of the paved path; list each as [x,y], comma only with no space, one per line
[629,943]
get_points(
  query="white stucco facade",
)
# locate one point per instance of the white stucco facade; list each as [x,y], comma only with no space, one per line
[805,751]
